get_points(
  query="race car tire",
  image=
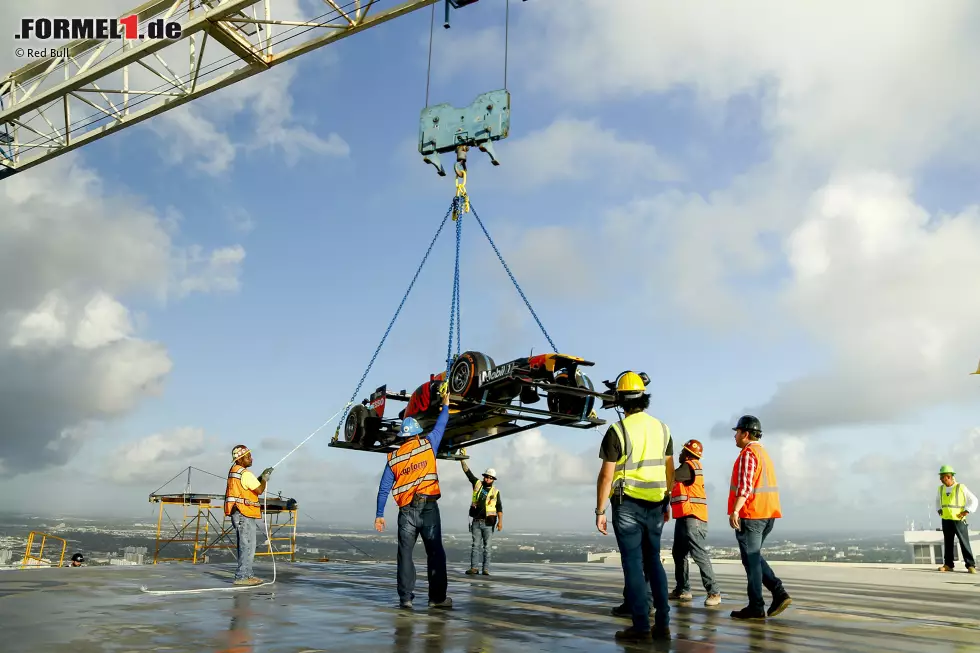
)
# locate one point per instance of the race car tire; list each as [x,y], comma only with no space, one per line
[464,376]
[361,426]
[569,404]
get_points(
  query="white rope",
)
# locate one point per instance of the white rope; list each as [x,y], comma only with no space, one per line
[268,534]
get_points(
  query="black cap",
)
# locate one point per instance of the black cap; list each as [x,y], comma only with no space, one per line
[749,423]
[78,557]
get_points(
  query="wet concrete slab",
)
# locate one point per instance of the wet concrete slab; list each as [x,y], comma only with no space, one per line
[352,607]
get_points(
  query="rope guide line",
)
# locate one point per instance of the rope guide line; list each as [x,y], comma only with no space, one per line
[265,521]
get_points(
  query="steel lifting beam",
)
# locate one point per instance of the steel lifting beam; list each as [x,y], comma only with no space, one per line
[444,128]
[97,88]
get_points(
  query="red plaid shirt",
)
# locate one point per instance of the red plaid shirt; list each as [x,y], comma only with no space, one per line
[747,463]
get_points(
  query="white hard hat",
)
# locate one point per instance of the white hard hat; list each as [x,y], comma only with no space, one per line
[491,472]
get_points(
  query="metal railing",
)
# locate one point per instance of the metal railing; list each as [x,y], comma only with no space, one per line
[31,560]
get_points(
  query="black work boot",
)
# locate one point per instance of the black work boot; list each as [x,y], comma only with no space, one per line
[779,603]
[632,634]
[625,612]
[748,613]
[660,633]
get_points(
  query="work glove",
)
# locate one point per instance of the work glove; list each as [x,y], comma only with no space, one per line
[266,473]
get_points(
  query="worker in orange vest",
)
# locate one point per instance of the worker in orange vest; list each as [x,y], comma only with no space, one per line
[411,477]
[753,508]
[242,505]
[689,507]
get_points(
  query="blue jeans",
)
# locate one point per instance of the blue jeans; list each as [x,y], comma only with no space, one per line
[637,523]
[690,534]
[245,527]
[751,535]
[480,550]
[421,518]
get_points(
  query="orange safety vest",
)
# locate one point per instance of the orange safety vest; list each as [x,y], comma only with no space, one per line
[414,467]
[763,503]
[236,495]
[690,500]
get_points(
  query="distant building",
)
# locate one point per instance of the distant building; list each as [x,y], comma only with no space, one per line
[132,555]
[926,547]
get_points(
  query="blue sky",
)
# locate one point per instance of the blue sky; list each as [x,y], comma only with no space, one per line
[709,214]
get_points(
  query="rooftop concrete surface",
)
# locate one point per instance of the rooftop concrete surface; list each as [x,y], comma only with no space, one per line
[352,607]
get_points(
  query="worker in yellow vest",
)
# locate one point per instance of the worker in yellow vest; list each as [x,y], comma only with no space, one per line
[242,505]
[689,507]
[753,508]
[637,471]
[954,502]
[486,513]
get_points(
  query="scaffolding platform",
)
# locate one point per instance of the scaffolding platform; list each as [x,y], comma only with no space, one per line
[204,528]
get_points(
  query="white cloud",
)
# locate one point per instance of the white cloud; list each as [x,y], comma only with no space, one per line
[161,453]
[820,98]
[864,269]
[574,150]
[887,287]
[909,477]
[215,271]
[535,475]
[189,136]
[240,220]
[70,354]
[193,135]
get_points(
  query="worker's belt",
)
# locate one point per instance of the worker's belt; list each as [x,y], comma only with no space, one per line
[618,499]
[245,501]
[418,500]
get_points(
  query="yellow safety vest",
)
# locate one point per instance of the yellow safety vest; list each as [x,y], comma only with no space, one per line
[642,469]
[491,498]
[953,503]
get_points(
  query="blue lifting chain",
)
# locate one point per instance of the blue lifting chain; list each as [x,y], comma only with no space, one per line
[401,305]
[511,275]
[454,310]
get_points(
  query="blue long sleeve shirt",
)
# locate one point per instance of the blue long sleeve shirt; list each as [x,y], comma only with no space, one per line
[388,477]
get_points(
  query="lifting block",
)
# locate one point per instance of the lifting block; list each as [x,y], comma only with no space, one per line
[445,128]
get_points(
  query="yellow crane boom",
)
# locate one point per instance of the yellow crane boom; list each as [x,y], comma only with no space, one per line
[93,88]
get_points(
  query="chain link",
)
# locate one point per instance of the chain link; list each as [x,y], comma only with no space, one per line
[510,274]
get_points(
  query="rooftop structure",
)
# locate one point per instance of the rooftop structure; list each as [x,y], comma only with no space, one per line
[521,607]
[926,547]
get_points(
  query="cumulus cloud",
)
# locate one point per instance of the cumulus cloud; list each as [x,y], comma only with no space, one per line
[827,234]
[535,475]
[215,271]
[70,353]
[575,150]
[885,286]
[909,477]
[819,98]
[153,456]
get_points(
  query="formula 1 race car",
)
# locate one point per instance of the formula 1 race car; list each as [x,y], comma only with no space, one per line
[487,401]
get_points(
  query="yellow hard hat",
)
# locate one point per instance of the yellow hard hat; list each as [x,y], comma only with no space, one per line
[630,383]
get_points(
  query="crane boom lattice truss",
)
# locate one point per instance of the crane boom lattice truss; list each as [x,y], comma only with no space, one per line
[98,87]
